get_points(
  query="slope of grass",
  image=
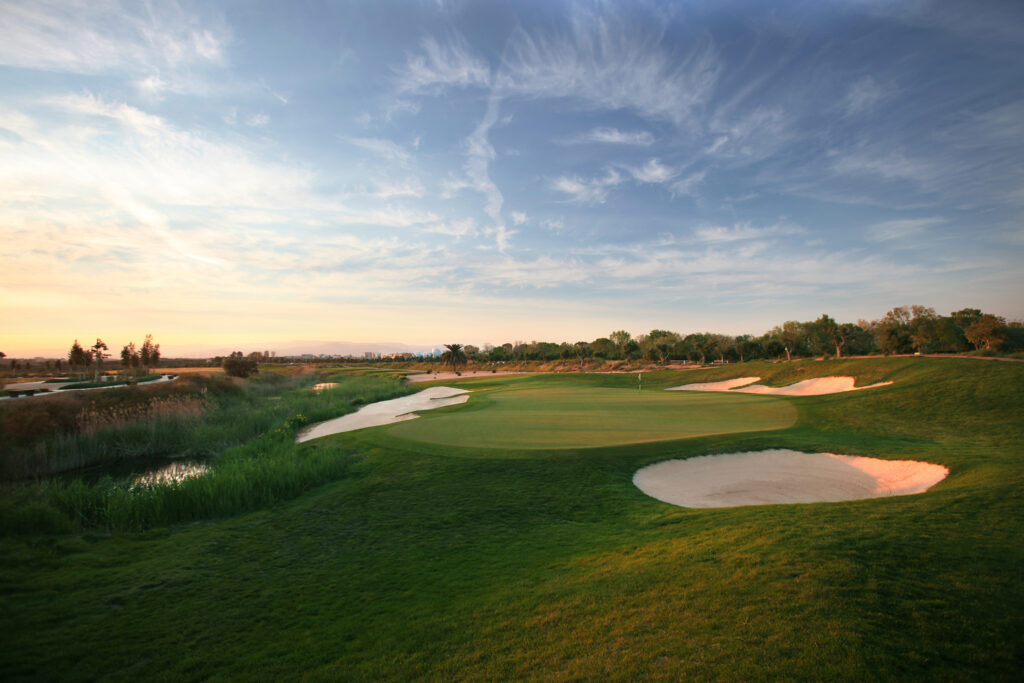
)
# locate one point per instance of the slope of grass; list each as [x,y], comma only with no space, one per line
[450,562]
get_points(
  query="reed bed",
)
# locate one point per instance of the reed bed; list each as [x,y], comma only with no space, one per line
[244,433]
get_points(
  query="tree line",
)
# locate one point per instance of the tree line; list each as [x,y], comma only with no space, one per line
[903,330]
[81,359]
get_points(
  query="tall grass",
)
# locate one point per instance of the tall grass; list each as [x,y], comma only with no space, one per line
[247,435]
[200,418]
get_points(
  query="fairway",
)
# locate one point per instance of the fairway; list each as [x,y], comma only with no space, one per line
[536,417]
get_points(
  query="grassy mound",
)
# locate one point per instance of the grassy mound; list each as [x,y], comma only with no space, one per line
[434,561]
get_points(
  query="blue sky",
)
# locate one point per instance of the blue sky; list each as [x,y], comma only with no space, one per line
[252,172]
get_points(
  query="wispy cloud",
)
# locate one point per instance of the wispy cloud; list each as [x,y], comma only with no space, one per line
[440,65]
[864,95]
[598,62]
[479,154]
[745,232]
[653,172]
[386,149]
[886,164]
[611,67]
[90,37]
[613,136]
[888,231]
[409,187]
[689,184]
[589,191]
[455,228]
[753,134]
[518,217]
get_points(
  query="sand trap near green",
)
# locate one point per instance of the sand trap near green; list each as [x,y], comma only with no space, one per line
[783,476]
[817,386]
[583,417]
[386,412]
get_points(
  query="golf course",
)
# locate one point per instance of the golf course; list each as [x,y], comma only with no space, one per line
[504,538]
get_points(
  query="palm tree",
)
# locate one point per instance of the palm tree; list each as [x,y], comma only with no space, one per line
[454,356]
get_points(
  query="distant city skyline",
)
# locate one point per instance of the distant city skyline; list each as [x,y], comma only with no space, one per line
[223,174]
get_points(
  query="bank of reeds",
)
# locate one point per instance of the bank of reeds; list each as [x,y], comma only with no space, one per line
[244,431]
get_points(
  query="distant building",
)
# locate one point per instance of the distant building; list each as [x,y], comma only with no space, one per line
[370,355]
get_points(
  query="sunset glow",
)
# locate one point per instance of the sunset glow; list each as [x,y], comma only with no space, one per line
[224,174]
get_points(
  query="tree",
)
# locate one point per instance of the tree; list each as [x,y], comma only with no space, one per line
[925,328]
[826,335]
[129,357]
[622,340]
[455,356]
[747,347]
[602,347]
[76,356]
[696,345]
[664,350]
[86,362]
[791,335]
[620,337]
[149,355]
[965,316]
[893,331]
[98,350]
[722,344]
[237,365]
[859,340]
[583,352]
[987,332]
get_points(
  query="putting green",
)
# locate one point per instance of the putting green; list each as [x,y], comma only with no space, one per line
[581,417]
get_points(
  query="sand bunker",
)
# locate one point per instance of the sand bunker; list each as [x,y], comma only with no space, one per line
[783,476]
[387,412]
[818,386]
[724,385]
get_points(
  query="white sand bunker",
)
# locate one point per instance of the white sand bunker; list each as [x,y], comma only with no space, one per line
[818,386]
[724,385]
[387,412]
[783,476]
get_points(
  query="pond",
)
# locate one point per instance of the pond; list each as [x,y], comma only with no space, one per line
[144,470]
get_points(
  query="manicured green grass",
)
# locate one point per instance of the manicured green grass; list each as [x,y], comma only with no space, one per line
[541,415]
[433,561]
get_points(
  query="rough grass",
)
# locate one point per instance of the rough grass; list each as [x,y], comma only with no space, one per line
[471,563]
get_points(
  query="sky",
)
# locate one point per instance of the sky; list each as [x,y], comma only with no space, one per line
[245,173]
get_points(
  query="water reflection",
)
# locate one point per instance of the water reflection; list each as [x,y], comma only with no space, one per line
[171,474]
